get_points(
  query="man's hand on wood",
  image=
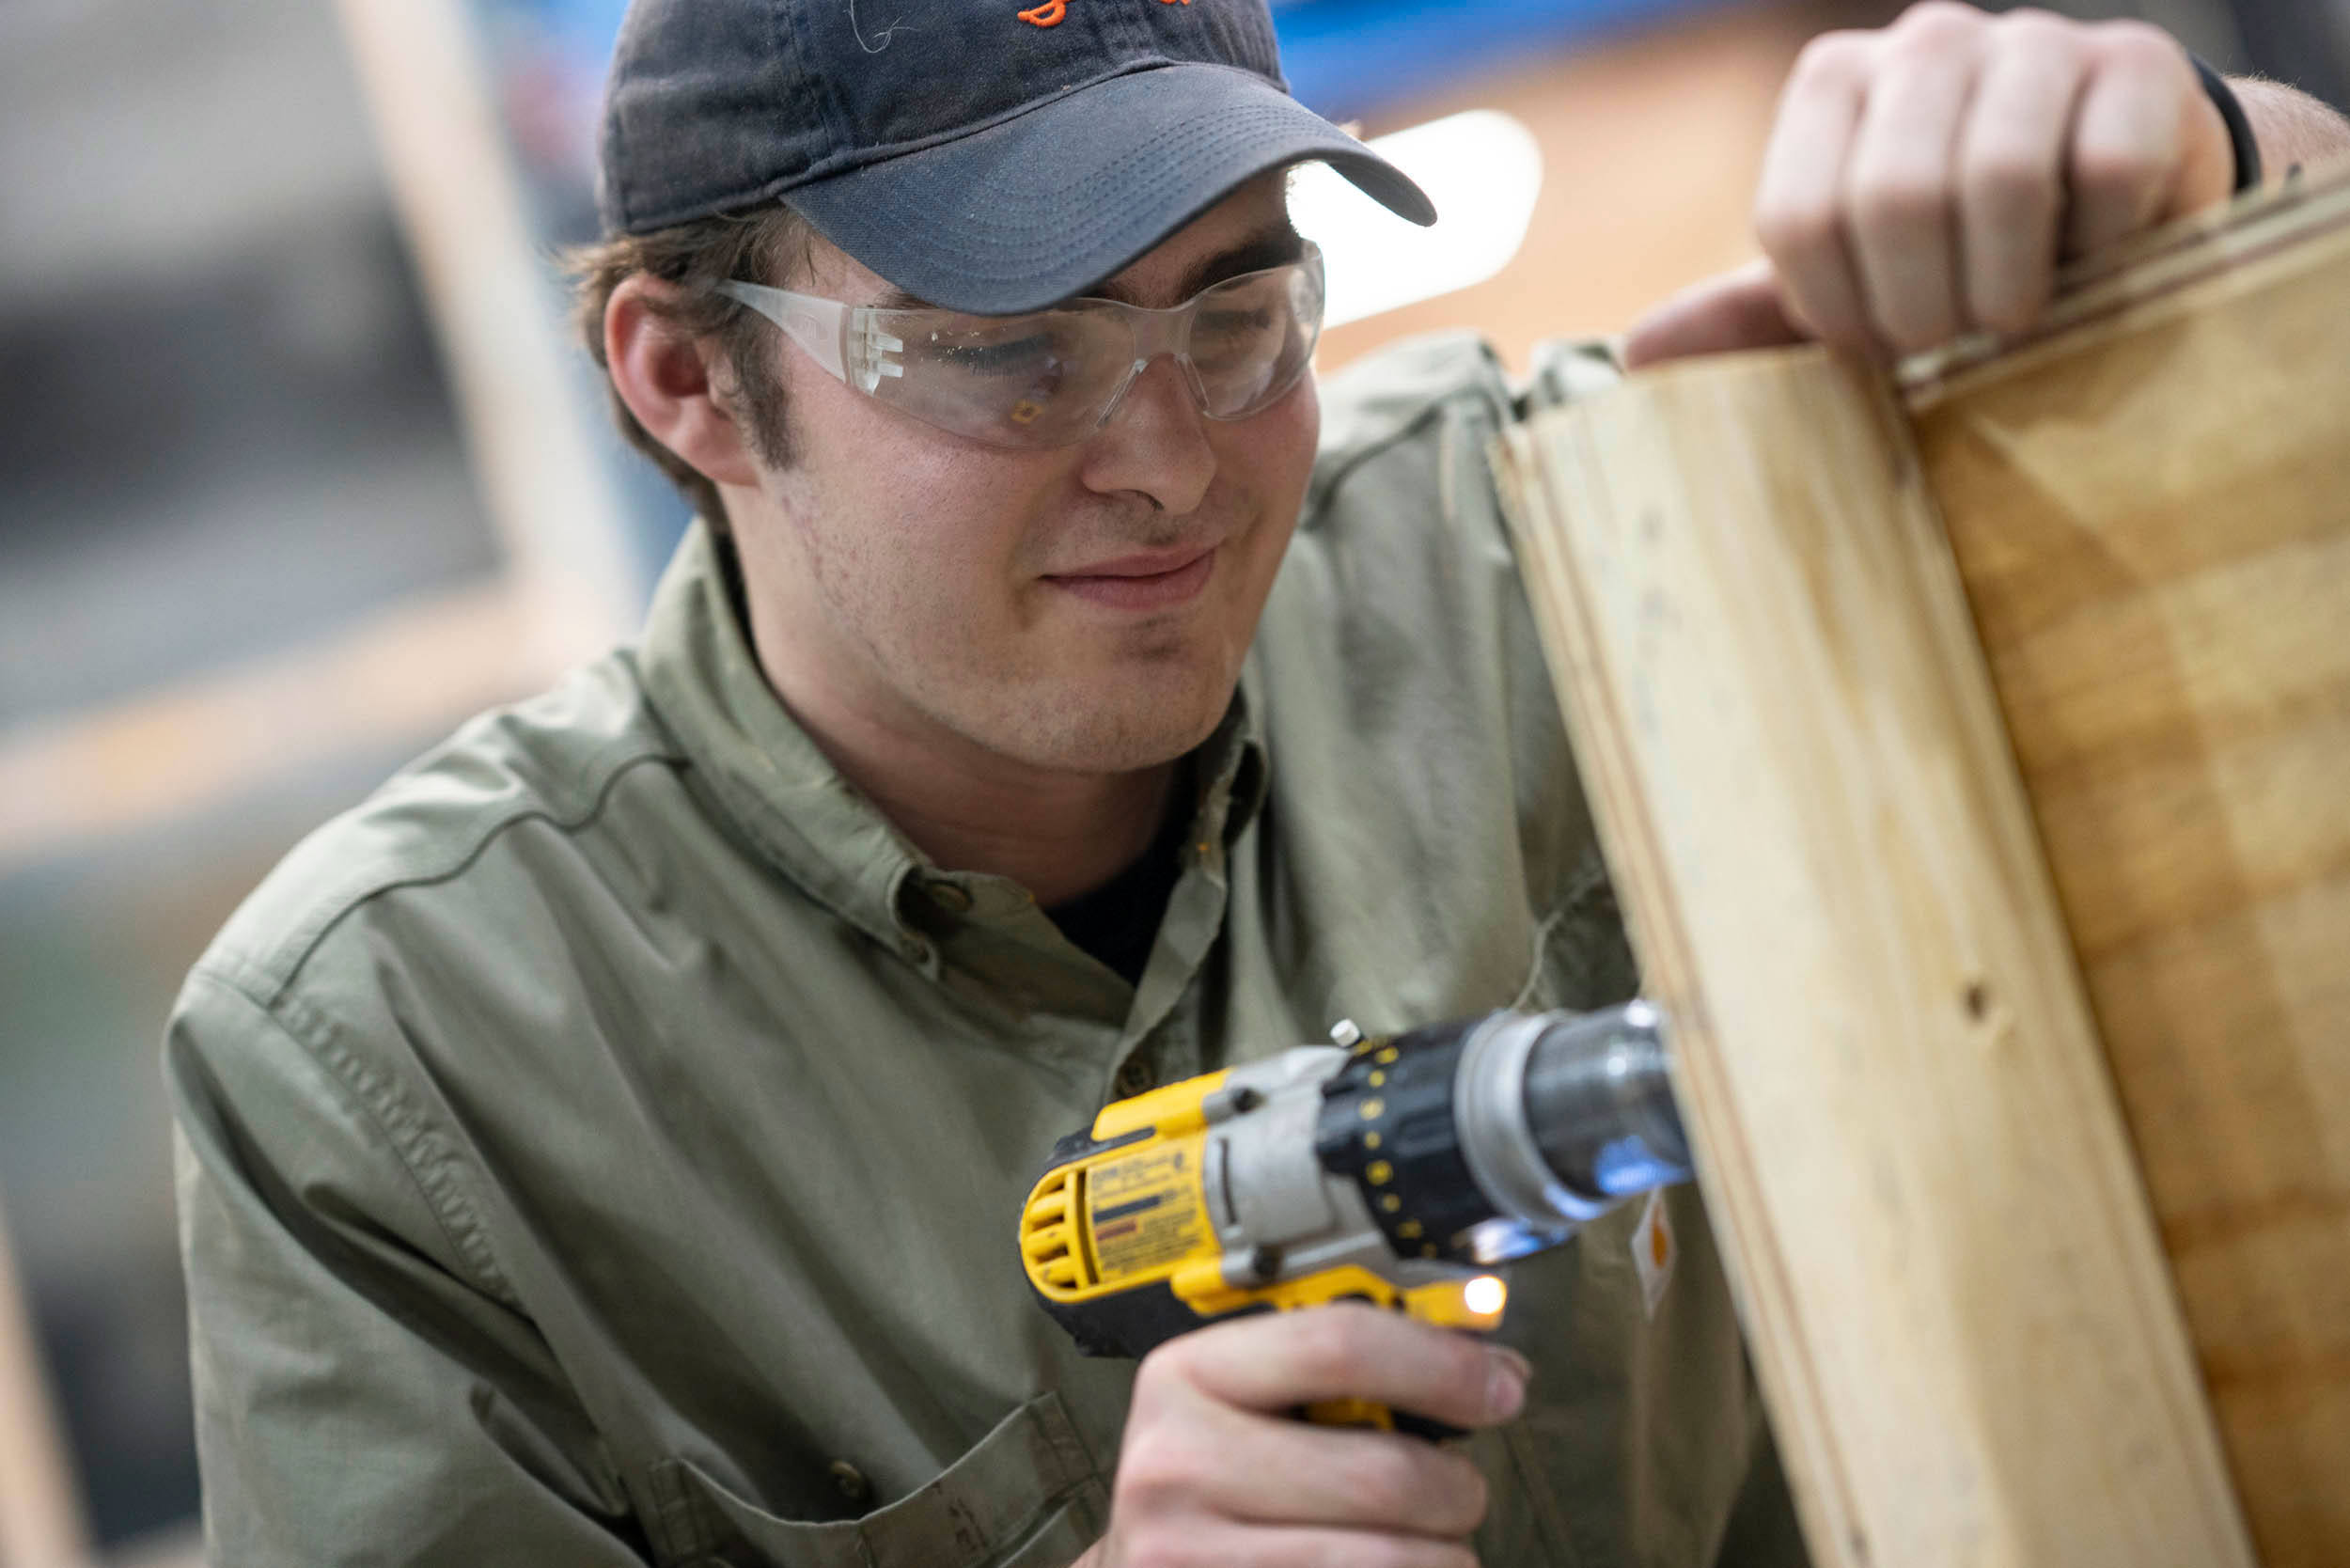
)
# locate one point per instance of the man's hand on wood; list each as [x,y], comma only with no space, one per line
[1926,180]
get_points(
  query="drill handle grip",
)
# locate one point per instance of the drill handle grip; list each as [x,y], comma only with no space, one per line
[1369,1414]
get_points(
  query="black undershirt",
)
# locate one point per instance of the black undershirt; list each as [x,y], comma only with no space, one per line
[1118,921]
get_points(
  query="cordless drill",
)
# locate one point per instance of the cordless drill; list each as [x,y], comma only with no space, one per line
[1397,1170]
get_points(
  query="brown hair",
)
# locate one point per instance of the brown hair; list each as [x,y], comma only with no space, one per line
[766,245]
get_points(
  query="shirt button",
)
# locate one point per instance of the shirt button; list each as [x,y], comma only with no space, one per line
[1135,1076]
[850,1481]
[916,949]
[950,897]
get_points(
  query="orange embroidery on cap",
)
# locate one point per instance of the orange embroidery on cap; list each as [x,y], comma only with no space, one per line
[1050,13]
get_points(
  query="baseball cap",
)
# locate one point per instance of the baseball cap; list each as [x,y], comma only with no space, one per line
[985,155]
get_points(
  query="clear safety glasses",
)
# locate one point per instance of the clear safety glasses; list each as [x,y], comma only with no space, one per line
[1053,377]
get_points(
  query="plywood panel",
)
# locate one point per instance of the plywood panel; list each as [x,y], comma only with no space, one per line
[2151,512]
[40,1515]
[1827,824]
[1960,1306]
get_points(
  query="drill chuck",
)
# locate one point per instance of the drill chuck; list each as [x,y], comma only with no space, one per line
[1486,1139]
[1563,1115]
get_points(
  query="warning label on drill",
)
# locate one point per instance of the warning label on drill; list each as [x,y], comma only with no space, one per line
[1145,1211]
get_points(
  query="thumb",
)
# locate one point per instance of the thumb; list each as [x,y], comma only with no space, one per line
[1741,309]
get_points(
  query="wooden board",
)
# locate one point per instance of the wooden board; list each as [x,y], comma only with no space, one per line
[2151,514]
[40,1513]
[1958,1300]
[1946,1241]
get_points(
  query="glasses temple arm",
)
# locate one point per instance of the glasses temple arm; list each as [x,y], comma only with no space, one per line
[819,326]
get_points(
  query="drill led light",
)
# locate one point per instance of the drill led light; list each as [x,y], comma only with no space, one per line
[1485,1295]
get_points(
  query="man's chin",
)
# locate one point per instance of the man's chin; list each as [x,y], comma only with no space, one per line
[1144,725]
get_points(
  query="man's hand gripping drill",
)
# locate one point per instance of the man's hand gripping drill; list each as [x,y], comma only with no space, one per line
[1381,1179]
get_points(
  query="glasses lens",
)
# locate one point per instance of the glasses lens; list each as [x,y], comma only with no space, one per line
[1251,337]
[1009,381]
[1047,379]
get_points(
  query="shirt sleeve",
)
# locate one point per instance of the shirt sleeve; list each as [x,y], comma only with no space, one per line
[365,1392]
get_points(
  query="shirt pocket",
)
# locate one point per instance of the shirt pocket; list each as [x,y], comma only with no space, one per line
[1026,1496]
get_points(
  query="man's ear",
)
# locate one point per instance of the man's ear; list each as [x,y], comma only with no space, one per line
[667,379]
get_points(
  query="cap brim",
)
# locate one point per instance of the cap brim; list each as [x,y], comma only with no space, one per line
[1047,204]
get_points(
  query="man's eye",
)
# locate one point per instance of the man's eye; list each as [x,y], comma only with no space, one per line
[1228,325]
[1021,356]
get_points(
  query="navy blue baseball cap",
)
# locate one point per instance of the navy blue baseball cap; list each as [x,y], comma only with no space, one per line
[985,155]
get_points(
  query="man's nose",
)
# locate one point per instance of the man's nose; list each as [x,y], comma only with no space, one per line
[1155,442]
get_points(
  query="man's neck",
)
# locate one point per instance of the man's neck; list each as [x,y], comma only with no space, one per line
[1057,835]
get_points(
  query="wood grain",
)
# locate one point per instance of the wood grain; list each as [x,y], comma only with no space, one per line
[1920,731]
[1961,1307]
[2152,514]
[40,1511]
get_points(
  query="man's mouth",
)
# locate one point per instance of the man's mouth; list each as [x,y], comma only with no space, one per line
[1152,580]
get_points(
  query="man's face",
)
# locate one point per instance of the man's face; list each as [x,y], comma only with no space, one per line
[1082,609]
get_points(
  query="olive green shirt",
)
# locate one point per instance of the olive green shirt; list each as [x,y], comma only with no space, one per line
[604,1146]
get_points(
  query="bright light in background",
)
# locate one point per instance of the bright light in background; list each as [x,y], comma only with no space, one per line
[1483,169]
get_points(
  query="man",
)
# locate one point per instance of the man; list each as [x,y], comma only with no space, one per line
[603,1146]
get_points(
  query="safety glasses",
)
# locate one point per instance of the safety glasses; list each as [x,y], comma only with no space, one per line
[1053,377]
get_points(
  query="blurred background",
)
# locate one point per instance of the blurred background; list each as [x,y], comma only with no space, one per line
[298,467]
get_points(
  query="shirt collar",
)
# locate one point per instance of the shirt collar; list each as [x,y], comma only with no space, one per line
[773,783]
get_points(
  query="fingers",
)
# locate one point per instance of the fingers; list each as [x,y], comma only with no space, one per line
[1276,1362]
[1265,1469]
[2010,171]
[1900,205]
[1237,1548]
[2129,162]
[1743,309]
[1923,181]
[1799,207]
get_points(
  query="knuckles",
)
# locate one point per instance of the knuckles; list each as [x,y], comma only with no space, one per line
[2036,33]
[1935,35]
[1940,15]
[1835,61]
[1162,1373]
[1160,1469]
[2138,47]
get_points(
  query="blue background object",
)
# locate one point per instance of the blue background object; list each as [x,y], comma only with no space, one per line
[1347,60]
[1350,60]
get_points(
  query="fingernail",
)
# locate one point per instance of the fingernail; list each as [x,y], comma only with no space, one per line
[1505,1382]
